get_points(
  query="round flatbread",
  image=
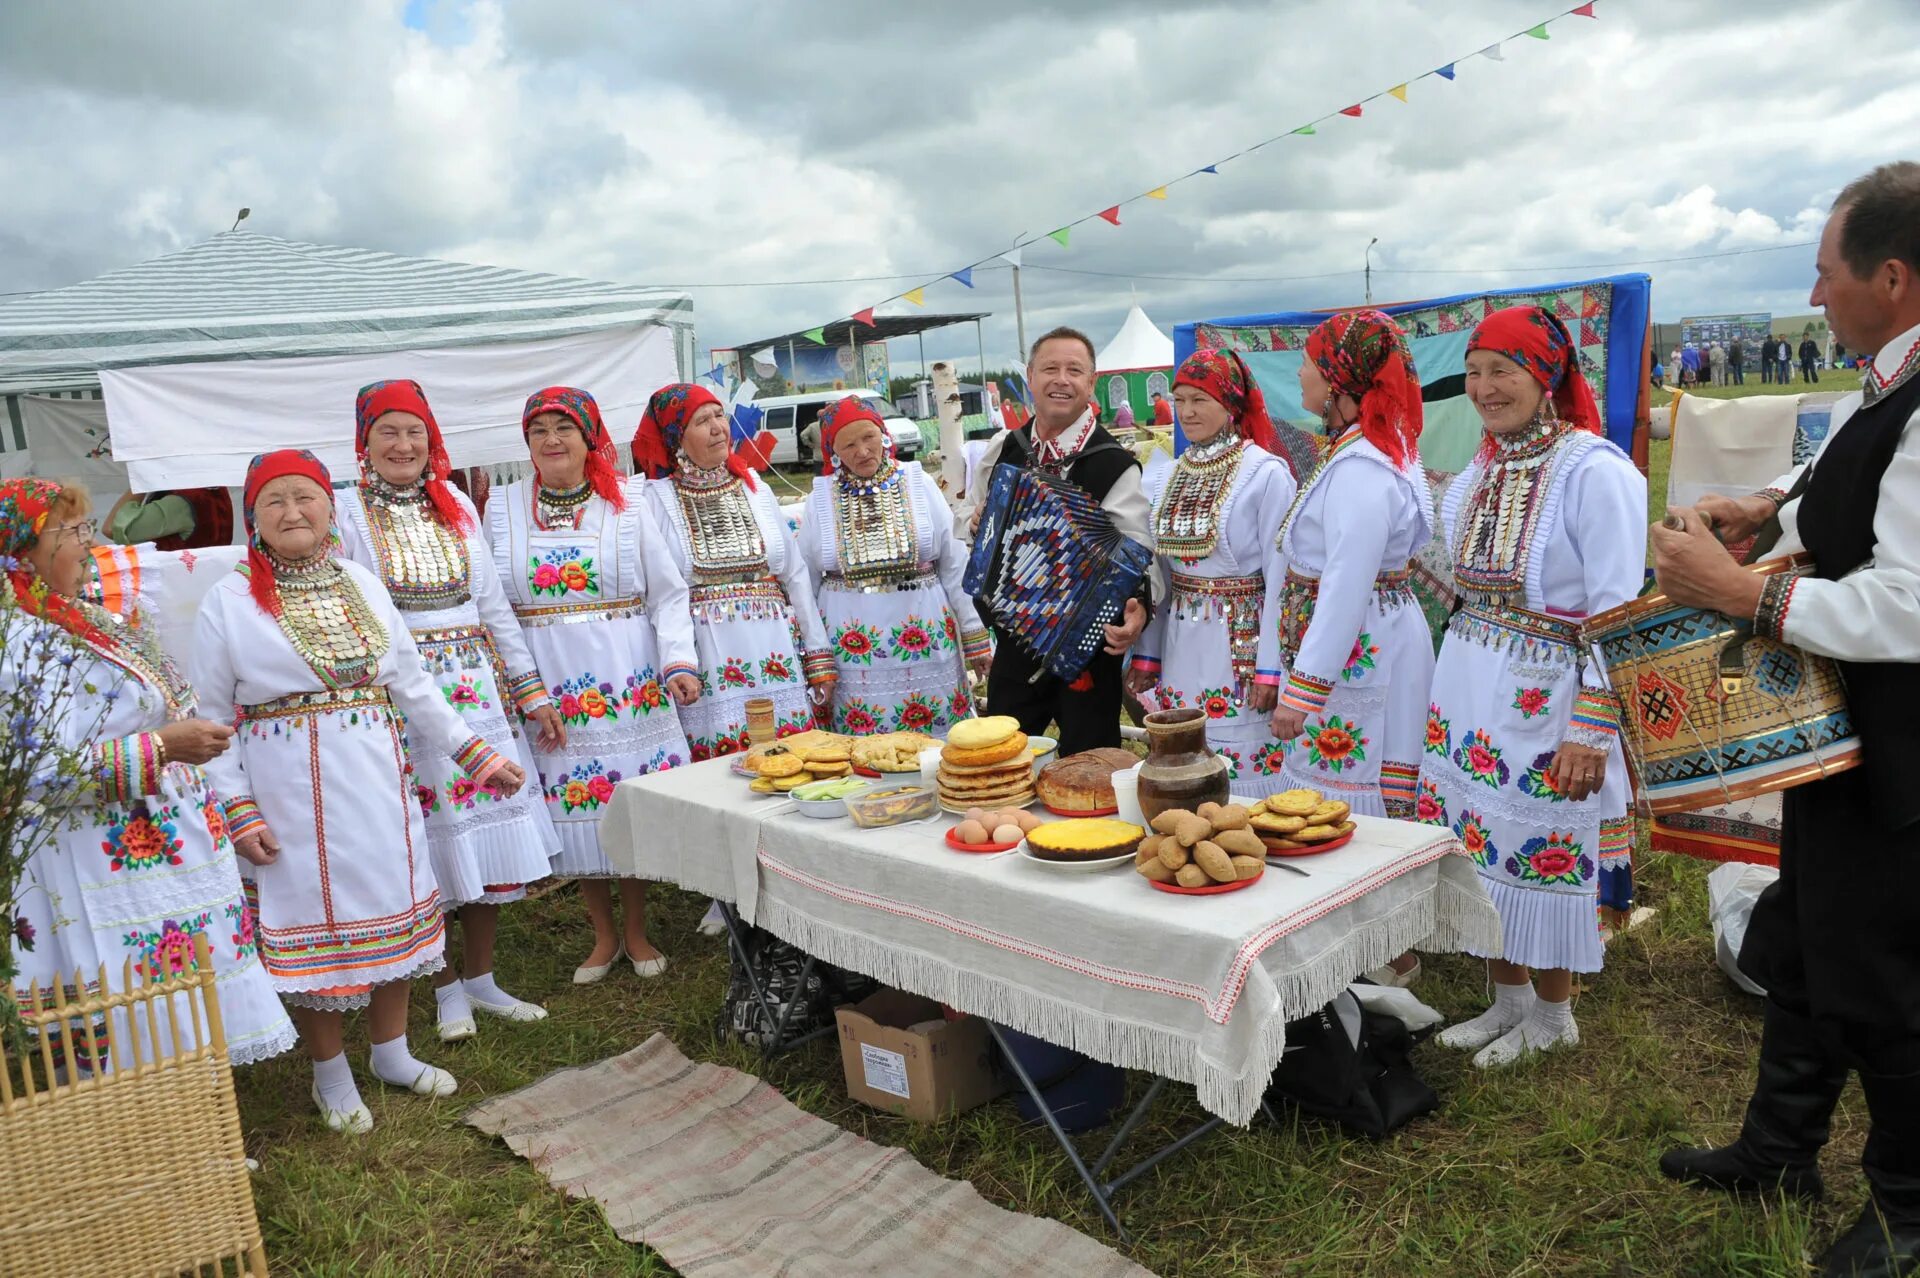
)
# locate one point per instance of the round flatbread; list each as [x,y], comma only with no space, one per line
[979,756]
[1330,812]
[1008,767]
[1268,823]
[975,734]
[785,764]
[1294,802]
[998,781]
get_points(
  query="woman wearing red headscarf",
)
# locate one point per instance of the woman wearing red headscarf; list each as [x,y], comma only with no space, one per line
[882,558]
[307,656]
[420,535]
[139,860]
[1358,652]
[604,612]
[1216,516]
[1548,527]
[754,619]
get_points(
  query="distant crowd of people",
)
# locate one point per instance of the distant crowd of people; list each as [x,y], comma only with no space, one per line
[1718,364]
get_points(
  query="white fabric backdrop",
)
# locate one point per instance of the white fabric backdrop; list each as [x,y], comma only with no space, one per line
[67,439]
[1731,447]
[191,425]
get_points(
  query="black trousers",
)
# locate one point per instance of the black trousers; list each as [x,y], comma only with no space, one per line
[1087,708]
[1837,937]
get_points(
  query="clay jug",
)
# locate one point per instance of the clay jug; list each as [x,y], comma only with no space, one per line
[1180,770]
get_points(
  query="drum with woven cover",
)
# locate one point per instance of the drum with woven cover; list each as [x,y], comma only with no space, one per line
[1715,714]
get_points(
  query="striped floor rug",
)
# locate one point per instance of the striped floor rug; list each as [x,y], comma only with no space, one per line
[717,1172]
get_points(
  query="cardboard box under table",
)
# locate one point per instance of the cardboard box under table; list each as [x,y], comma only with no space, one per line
[903,1056]
[1193,989]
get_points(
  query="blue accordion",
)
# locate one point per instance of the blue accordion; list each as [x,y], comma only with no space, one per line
[1050,569]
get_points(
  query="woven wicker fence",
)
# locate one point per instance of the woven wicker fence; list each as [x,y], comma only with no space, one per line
[119,1137]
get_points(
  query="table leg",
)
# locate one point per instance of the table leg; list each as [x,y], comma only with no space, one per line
[1134,1120]
[1100,1198]
[777,1042]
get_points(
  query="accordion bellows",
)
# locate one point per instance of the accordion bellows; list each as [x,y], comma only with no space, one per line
[1050,568]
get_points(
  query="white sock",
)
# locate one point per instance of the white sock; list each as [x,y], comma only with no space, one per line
[1511,1006]
[393,1063]
[1549,1025]
[484,987]
[334,1079]
[452,998]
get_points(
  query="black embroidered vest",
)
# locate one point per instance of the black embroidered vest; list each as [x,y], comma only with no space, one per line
[1836,524]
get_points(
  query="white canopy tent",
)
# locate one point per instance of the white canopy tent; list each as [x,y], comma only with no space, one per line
[1138,345]
[245,342]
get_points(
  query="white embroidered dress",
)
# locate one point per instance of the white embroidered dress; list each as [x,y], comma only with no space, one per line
[140,862]
[1215,637]
[485,847]
[351,901]
[603,610]
[1358,652]
[755,624]
[886,566]
[1514,682]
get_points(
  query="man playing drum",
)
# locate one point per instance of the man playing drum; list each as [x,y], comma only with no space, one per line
[1836,942]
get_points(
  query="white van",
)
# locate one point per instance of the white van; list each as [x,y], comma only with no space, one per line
[788,415]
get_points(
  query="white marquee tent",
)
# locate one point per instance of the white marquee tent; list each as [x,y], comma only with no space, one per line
[195,361]
[1134,365]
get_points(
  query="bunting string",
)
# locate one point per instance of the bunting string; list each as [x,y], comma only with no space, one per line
[1062,235]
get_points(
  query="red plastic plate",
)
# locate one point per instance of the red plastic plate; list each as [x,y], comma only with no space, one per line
[1089,812]
[1212,889]
[1314,849]
[958,846]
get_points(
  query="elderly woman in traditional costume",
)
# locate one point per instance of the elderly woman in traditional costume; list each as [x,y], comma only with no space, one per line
[1216,520]
[420,536]
[306,654]
[138,861]
[883,559]
[1358,652]
[1522,760]
[603,608]
[754,620]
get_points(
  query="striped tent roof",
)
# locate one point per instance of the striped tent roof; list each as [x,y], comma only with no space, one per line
[244,296]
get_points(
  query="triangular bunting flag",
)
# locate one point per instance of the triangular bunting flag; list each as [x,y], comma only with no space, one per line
[1060,236]
[1209,169]
[964,275]
[1011,257]
[1446,71]
[1493,51]
[1399,91]
[1584,11]
[1539,32]
[918,296]
[716,375]
[864,317]
[818,336]
[1111,215]
[1353,110]
[1305,129]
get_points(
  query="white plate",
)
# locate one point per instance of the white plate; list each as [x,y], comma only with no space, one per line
[1076,867]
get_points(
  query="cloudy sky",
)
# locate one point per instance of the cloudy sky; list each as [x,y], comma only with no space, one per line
[733,143]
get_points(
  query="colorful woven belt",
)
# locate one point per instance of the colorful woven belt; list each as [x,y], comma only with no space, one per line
[1299,593]
[567,614]
[305,703]
[836,582]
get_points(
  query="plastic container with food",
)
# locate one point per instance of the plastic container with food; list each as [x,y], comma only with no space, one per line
[892,804]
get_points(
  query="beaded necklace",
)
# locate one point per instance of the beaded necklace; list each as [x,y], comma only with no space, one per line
[1340,445]
[133,646]
[423,562]
[560,508]
[1502,512]
[873,525]
[327,619]
[723,537]
[1186,522]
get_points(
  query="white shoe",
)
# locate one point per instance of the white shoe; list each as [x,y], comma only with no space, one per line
[430,1081]
[650,967]
[455,1030]
[711,924]
[1524,1040]
[512,1010]
[1385,975]
[357,1121]
[584,975]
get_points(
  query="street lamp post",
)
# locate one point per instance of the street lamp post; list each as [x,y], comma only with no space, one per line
[1370,243]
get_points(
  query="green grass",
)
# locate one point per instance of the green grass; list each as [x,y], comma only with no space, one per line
[1544,1169]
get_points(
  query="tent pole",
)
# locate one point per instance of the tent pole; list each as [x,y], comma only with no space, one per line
[1019,313]
[922,338]
[793,370]
[981,342]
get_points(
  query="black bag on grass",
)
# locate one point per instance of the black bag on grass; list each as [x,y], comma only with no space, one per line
[1354,1067]
[777,964]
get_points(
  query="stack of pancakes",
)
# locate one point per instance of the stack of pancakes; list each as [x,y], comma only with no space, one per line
[986,763]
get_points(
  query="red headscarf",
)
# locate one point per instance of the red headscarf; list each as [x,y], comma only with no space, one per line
[25,505]
[261,471]
[844,413]
[406,397]
[1364,354]
[1538,342]
[1223,375]
[603,464]
[656,445]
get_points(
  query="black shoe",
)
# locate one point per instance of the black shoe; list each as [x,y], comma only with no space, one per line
[1873,1248]
[1787,1119]
[1885,1241]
